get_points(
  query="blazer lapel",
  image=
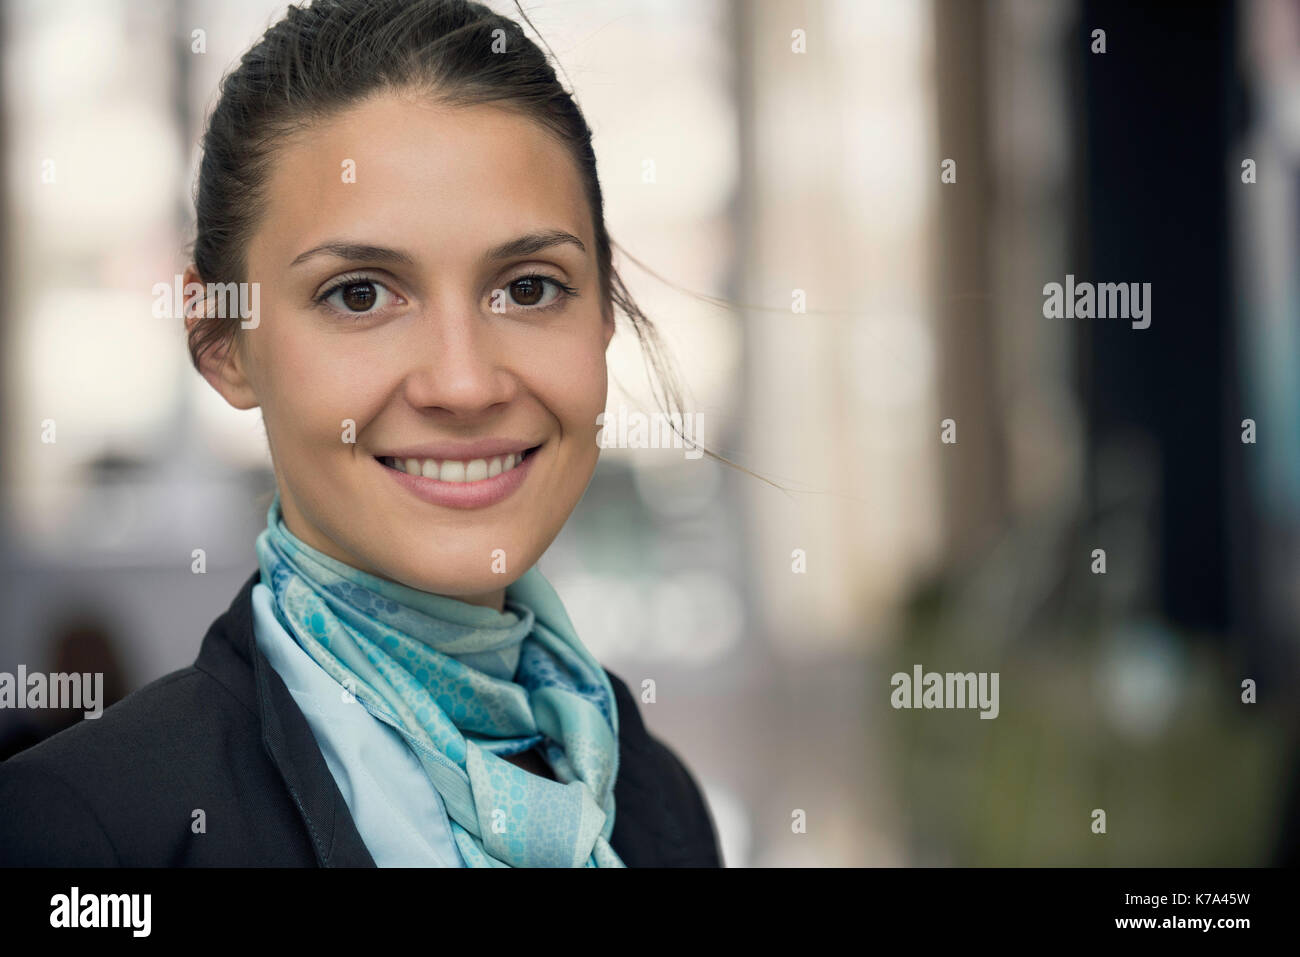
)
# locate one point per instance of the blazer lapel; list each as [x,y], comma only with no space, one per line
[292,747]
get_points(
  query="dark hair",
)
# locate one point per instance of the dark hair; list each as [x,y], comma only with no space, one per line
[322,57]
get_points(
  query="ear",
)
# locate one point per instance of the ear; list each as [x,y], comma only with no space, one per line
[222,365]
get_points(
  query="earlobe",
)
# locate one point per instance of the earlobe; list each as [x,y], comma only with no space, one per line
[223,368]
[609,328]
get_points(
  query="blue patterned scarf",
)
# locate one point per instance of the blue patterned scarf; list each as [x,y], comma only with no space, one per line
[466,685]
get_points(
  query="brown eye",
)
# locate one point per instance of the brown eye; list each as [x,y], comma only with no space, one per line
[358,296]
[527,291]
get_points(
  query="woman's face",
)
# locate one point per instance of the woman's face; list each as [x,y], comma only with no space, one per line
[397,324]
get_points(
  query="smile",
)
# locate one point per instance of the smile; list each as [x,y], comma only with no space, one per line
[451,470]
[465,484]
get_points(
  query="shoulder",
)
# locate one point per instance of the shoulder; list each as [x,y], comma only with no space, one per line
[661,817]
[69,798]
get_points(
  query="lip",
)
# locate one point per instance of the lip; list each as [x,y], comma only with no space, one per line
[478,494]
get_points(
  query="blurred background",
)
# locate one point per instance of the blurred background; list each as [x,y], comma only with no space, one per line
[829,300]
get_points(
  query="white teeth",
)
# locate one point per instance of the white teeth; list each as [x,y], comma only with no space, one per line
[475,470]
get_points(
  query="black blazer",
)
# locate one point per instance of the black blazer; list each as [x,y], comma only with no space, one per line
[224,736]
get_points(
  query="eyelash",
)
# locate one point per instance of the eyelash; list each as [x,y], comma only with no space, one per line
[566,291]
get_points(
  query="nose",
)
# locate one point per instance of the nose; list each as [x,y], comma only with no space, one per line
[458,361]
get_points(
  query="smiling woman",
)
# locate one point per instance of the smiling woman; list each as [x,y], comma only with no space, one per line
[415,197]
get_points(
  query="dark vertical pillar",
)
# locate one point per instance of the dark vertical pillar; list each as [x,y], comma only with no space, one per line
[1157,121]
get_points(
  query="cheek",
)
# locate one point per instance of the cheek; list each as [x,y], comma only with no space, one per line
[577,391]
[313,390]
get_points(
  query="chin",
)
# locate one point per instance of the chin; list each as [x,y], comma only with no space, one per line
[462,571]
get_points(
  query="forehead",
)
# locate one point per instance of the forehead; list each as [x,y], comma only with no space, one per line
[443,182]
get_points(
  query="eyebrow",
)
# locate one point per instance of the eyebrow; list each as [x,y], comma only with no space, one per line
[525,245]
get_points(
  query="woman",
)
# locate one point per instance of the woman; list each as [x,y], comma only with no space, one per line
[412,198]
